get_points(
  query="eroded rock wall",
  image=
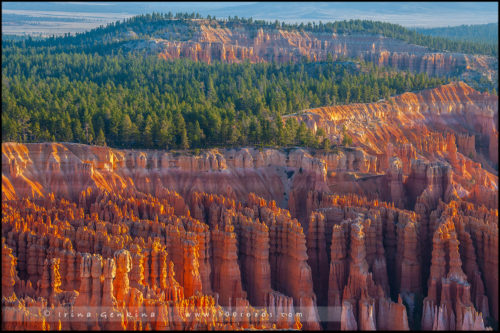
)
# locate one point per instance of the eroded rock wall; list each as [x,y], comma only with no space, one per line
[211,43]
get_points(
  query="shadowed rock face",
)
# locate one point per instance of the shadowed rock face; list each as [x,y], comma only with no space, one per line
[358,238]
[66,169]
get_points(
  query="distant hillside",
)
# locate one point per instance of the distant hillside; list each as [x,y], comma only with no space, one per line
[185,26]
[484,33]
[18,38]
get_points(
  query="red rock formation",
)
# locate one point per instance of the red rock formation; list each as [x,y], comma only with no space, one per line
[493,148]
[212,42]
[407,260]
[278,306]
[337,279]
[408,246]
[112,168]
[362,290]
[83,299]
[428,183]
[395,182]
[424,124]
[392,316]
[254,254]
[448,304]
[143,247]
[289,259]
[467,145]
[316,251]
[226,272]
[108,299]
[9,275]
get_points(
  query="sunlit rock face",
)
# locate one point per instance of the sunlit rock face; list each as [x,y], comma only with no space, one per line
[399,231]
[442,125]
[90,228]
[211,43]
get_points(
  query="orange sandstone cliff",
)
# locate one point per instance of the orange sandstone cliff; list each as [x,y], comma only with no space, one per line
[208,42]
[452,124]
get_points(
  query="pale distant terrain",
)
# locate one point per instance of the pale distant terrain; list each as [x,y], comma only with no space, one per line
[47,18]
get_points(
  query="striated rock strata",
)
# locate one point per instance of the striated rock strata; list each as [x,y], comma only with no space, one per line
[210,41]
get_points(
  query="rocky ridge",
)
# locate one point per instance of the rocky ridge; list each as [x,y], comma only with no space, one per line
[434,125]
[210,43]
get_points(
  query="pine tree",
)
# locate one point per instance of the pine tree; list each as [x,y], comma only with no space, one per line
[347,140]
[101,139]
[301,137]
[181,137]
[198,136]
[147,134]
[166,136]
[126,130]
[326,145]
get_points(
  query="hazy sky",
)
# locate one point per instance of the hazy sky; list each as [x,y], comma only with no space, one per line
[78,16]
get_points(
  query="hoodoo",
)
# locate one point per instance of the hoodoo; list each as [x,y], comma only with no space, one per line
[239,174]
[123,245]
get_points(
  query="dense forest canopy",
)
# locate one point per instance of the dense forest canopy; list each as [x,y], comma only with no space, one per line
[483,33]
[150,25]
[141,101]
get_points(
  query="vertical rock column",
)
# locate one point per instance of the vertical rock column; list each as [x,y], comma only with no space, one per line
[114,319]
[226,272]
[191,276]
[448,301]
[154,267]
[293,274]
[375,249]
[254,251]
[121,283]
[31,263]
[490,246]
[83,300]
[317,258]
[71,278]
[174,291]
[409,276]
[137,272]
[338,277]
[278,305]
[203,235]
[9,275]
[395,182]
[55,281]
[473,273]
[96,272]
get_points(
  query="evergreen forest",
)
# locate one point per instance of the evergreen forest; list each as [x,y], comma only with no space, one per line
[141,101]
[86,89]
